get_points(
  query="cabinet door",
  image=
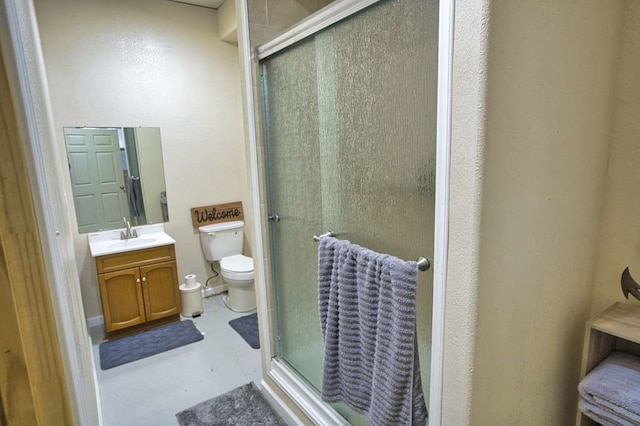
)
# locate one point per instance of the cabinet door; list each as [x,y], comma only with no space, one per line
[160,290]
[122,302]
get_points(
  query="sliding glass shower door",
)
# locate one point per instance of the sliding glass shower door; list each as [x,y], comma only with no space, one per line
[350,145]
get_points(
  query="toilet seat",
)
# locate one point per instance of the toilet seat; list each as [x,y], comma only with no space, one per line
[237,267]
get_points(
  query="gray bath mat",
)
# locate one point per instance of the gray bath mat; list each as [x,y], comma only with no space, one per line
[147,343]
[243,406]
[247,327]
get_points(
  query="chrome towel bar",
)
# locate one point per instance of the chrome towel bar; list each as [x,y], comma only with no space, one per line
[423,262]
[317,238]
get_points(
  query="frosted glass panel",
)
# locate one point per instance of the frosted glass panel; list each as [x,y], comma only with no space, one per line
[293,154]
[350,139]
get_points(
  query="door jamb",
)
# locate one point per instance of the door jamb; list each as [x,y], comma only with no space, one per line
[25,63]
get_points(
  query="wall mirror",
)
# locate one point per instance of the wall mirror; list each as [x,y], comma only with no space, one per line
[116,173]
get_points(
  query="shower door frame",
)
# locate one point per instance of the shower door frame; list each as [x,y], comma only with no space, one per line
[307,399]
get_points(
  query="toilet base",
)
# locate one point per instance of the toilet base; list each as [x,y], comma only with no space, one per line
[225,299]
[241,296]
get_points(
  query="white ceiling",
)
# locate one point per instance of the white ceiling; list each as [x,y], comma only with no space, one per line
[212,4]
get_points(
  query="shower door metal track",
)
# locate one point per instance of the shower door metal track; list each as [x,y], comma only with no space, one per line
[324,18]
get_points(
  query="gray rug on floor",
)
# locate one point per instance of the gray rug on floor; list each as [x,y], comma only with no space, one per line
[247,327]
[147,343]
[243,406]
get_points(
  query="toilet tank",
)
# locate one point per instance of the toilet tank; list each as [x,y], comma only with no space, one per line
[221,239]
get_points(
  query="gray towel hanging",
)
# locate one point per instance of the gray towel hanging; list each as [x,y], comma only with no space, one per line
[367,306]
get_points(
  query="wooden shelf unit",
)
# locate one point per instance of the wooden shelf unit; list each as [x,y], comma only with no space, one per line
[616,329]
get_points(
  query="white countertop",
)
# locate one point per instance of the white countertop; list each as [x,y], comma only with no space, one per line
[109,242]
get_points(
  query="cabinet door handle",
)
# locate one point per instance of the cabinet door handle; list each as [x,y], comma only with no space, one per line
[138,280]
[144,279]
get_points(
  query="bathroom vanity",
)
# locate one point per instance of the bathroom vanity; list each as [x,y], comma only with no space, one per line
[138,278]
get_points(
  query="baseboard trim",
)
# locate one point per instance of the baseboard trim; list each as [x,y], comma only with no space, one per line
[279,405]
[212,291]
[95,321]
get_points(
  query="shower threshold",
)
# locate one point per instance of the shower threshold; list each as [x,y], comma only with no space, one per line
[302,394]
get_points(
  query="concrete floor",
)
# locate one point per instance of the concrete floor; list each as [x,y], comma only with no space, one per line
[152,390]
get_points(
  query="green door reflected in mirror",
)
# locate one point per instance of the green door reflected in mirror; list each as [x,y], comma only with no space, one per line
[116,173]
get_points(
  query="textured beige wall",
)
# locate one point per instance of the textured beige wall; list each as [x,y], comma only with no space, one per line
[268,18]
[467,146]
[550,79]
[619,245]
[227,22]
[151,63]
[314,5]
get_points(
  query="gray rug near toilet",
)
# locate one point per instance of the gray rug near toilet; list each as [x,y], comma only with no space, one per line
[243,406]
[247,328]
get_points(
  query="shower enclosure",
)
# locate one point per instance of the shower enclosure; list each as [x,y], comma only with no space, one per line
[349,120]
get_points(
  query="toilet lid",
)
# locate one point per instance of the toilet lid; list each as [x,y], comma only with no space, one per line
[237,263]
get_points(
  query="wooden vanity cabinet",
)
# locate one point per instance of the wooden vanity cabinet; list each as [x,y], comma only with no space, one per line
[122,301]
[138,287]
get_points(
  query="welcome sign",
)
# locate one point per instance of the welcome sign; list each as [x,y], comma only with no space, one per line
[217,213]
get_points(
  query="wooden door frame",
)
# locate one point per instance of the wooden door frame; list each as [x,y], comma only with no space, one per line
[44,166]
[33,388]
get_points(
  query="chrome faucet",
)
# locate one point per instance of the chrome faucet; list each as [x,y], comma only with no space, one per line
[128,233]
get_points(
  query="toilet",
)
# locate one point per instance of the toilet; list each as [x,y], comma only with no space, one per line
[223,242]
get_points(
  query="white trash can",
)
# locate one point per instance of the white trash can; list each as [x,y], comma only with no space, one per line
[191,300]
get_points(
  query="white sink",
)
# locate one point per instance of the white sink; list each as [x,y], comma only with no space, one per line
[109,242]
[133,242]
